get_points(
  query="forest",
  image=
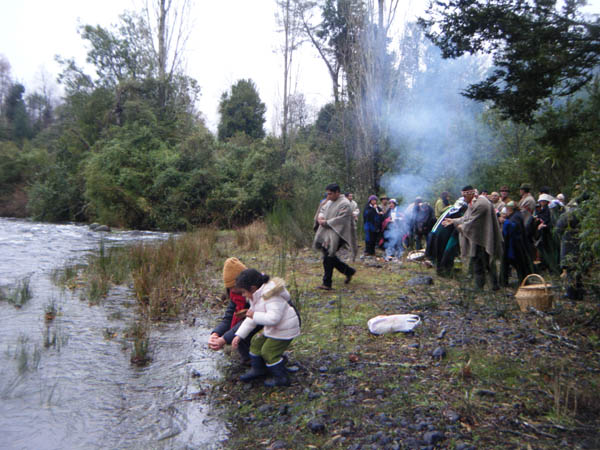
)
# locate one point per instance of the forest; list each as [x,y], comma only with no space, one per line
[487,93]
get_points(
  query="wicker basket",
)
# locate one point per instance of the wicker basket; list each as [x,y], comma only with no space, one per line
[537,296]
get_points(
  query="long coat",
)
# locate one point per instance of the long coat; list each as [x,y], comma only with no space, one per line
[339,230]
[479,227]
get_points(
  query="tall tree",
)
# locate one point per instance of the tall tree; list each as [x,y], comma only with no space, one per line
[539,50]
[289,21]
[241,111]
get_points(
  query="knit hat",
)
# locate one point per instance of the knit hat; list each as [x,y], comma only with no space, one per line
[372,197]
[231,269]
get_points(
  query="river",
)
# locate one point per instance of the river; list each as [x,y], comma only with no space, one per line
[69,383]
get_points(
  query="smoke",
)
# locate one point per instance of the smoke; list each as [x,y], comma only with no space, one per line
[438,129]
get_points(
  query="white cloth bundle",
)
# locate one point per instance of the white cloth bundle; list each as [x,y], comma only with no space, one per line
[393,324]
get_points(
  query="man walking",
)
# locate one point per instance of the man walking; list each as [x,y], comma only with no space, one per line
[481,236]
[335,230]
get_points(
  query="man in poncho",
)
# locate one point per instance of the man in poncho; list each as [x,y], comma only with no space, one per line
[335,230]
[481,237]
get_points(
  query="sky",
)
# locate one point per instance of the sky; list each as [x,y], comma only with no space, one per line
[230,40]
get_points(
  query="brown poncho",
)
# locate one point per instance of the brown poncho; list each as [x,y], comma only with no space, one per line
[479,226]
[339,230]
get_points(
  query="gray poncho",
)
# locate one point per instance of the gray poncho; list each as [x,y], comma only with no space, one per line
[339,230]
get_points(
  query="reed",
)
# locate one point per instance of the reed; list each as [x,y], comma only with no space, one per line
[18,295]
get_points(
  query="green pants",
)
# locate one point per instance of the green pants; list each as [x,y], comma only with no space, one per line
[270,349]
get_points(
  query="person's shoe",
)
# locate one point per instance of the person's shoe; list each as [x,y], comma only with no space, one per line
[325,288]
[279,375]
[349,277]
[257,369]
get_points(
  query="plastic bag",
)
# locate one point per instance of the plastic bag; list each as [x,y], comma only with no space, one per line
[393,324]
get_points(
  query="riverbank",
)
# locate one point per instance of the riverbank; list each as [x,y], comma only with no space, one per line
[476,373]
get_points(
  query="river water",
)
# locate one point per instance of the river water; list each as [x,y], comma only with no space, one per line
[69,383]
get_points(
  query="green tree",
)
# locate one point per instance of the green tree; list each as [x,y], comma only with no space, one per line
[241,111]
[16,113]
[539,50]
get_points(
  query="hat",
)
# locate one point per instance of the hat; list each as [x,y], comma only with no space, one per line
[504,189]
[372,197]
[384,197]
[525,187]
[394,200]
[561,197]
[231,269]
[510,204]
[495,193]
[545,198]
[418,199]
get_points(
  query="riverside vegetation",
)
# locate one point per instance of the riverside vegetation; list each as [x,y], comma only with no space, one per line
[476,373]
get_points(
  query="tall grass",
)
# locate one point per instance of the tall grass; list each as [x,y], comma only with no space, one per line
[161,272]
[17,295]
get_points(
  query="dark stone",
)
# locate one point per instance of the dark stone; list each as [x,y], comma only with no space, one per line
[105,228]
[93,226]
[439,353]
[414,345]
[284,410]
[442,334]
[433,437]
[265,409]
[315,426]
[323,369]
[379,392]
[278,445]
[463,446]
[485,393]
[313,395]
[452,416]
[195,373]
[293,368]
[419,281]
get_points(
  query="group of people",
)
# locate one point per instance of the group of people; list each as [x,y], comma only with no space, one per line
[261,320]
[526,235]
[393,229]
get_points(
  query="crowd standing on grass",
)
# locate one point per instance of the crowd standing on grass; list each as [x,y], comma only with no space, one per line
[488,231]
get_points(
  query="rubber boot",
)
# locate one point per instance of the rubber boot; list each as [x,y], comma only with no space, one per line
[257,369]
[279,375]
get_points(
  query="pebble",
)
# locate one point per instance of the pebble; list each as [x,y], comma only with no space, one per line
[463,446]
[293,368]
[418,281]
[442,334]
[315,426]
[323,369]
[452,416]
[278,445]
[485,393]
[439,353]
[313,395]
[433,437]
[265,409]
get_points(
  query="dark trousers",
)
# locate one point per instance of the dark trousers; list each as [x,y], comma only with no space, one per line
[331,262]
[482,266]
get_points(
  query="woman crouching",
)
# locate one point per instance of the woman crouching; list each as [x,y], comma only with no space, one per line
[269,306]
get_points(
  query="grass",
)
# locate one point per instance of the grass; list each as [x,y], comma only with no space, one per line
[18,295]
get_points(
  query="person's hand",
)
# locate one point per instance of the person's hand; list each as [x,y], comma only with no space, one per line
[236,342]
[217,343]
[541,225]
[447,222]
[322,221]
[212,338]
[250,313]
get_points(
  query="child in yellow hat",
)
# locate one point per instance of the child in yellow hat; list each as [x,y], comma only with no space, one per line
[235,313]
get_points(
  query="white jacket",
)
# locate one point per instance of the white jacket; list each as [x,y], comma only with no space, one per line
[272,310]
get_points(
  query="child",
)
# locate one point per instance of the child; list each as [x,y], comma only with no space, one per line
[269,306]
[224,332]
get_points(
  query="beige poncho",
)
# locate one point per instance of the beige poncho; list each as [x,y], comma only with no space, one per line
[339,230]
[479,226]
